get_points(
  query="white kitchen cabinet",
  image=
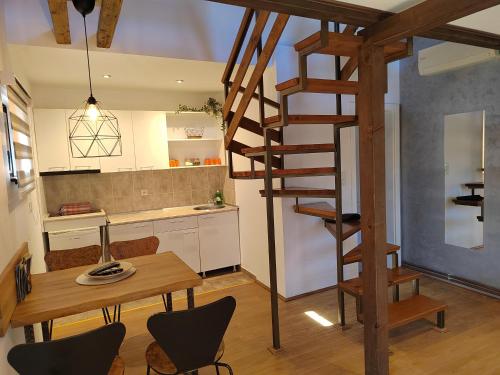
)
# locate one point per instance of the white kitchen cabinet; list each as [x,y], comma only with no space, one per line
[126,161]
[51,136]
[72,239]
[219,240]
[151,140]
[127,232]
[81,163]
[184,243]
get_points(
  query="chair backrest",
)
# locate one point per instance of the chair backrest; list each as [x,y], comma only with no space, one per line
[89,353]
[134,248]
[191,338]
[63,259]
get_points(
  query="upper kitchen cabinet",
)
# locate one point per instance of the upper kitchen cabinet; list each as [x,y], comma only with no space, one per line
[150,138]
[126,161]
[81,163]
[52,140]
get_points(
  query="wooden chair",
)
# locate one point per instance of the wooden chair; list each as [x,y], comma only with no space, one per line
[134,248]
[64,259]
[94,352]
[189,340]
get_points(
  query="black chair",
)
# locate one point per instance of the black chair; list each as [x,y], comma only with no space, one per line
[94,352]
[189,340]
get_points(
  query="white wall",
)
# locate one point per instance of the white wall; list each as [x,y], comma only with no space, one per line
[253,222]
[309,249]
[20,223]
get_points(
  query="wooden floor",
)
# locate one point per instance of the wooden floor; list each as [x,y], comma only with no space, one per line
[471,345]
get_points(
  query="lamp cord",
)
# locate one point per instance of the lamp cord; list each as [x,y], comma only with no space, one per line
[88,59]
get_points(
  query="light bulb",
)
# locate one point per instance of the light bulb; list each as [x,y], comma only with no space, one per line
[92,112]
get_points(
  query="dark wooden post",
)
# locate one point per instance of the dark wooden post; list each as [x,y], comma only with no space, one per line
[370,107]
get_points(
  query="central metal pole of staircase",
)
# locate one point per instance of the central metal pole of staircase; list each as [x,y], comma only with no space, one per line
[271,241]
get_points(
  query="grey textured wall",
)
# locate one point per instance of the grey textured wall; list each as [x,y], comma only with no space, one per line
[424,103]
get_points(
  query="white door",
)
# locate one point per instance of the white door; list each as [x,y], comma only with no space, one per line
[184,243]
[219,240]
[151,141]
[51,140]
[77,149]
[125,162]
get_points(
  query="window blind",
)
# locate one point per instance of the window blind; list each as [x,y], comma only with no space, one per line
[19,107]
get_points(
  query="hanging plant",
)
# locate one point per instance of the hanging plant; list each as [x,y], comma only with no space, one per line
[212,108]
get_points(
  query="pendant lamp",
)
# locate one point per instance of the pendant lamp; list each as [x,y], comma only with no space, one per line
[93,131]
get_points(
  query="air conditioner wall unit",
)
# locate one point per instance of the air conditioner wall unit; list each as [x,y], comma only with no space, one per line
[449,56]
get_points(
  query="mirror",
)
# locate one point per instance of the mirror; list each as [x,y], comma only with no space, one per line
[464,179]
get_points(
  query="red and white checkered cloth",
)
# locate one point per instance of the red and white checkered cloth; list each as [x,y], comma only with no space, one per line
[75,208]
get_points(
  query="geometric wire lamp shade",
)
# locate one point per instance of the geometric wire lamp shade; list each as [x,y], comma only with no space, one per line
[94,132]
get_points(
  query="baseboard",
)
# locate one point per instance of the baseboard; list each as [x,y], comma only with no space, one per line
[456,280]
[284,299]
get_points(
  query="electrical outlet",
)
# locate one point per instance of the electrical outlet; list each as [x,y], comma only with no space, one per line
[144,192]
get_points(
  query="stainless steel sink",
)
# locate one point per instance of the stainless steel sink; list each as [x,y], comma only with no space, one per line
[209,207]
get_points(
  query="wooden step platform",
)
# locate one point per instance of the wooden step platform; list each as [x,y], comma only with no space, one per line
[398,275]
[339,44]
[354,255]
[300,192]
[275,121]
[289,149]
[342,44]
[284,173]
[413,309]
[320,86]
[323,210]
[254,127]
[348,228]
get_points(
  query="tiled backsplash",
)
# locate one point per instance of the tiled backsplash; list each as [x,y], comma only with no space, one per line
[123,191]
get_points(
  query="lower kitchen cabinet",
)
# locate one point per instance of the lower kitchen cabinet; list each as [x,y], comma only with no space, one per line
[184,243]
[133,231]
[204,242]
[219,240]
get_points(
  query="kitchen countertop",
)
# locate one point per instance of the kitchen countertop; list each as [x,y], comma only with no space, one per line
[164,213]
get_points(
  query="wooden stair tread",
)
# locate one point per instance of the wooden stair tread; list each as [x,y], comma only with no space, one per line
[290,149]
[278,173]
[312,119]
[254,127]
[296,192]
[321,86]
[341,44]
[348,228]
[412,309]
[398,275]
[354,255]
[323,210]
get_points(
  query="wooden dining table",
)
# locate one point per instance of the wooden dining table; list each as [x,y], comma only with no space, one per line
[56,294]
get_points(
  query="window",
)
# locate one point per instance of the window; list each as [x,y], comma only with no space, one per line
[20,153]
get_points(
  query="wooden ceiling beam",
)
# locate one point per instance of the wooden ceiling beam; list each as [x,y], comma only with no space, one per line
[362,16]
[422,17]
[108,18]
[60,20]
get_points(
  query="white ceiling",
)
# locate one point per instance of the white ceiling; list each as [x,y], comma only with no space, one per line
[68,67]
[189,29]
[154,35]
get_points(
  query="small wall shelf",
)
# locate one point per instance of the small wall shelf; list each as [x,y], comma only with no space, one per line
[181,148]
